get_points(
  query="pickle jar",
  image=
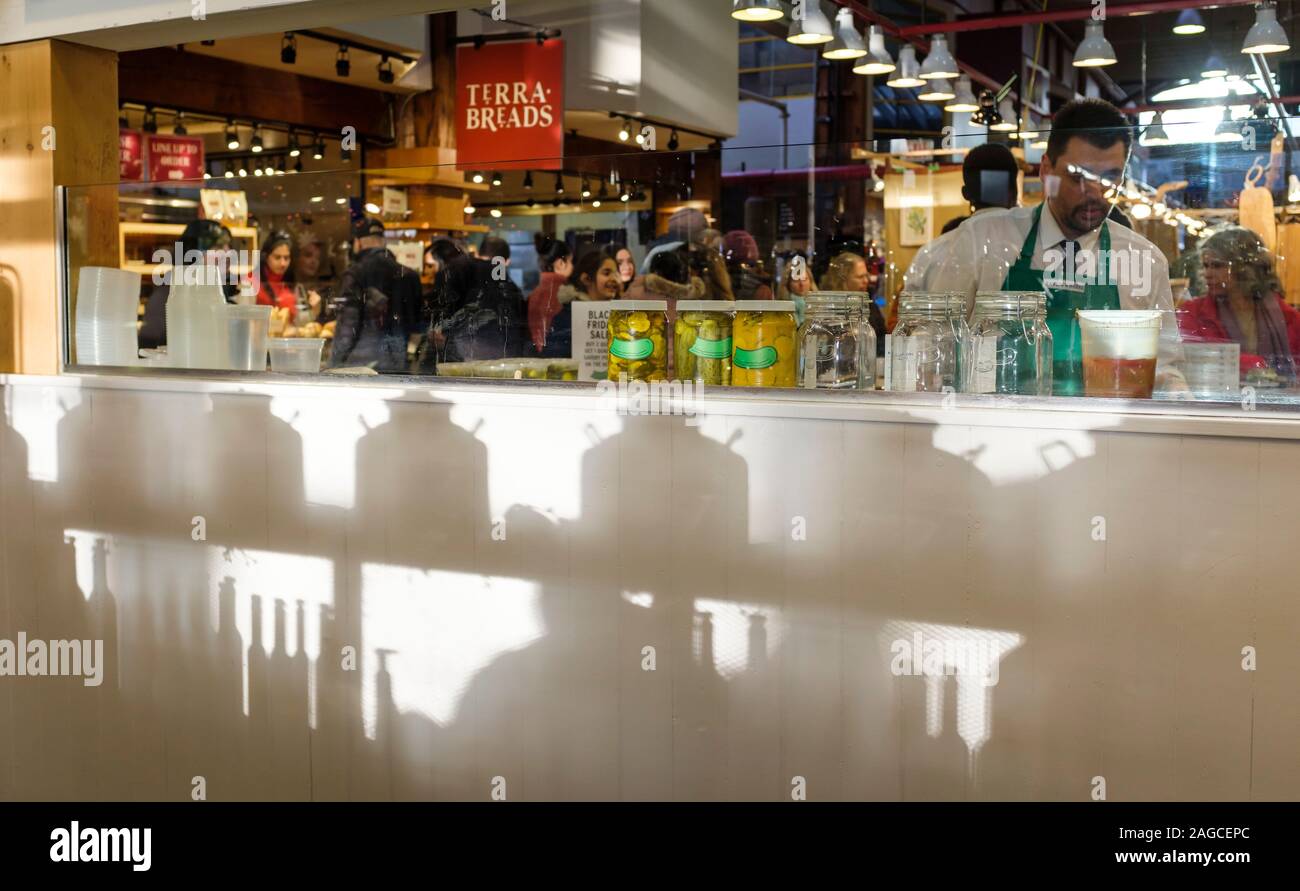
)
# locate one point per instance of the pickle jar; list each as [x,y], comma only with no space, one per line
[637,344]
[1009,347]
[764,351]
[924,351]
[702,341]
[837,345]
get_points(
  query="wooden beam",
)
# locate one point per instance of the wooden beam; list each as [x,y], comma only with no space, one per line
[171,78]
[60,128]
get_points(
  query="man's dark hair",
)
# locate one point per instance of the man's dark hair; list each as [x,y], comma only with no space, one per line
[1094,120]
[670,265]
[494,247]
[988,176]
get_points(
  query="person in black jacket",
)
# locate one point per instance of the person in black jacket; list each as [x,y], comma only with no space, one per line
[379,305]
[479,310]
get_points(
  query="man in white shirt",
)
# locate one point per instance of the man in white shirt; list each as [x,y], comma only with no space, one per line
[990,181]
[1065,247]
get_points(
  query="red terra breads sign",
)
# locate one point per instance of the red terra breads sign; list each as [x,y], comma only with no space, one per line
[130,155]
[510,105]
[174,157]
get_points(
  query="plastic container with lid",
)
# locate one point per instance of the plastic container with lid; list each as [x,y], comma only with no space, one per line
[924,351]
[764,344]
[1009,347]
[637,344]
[702,341]
[1213,370]
[837,345]
[1120,348]
[296,354]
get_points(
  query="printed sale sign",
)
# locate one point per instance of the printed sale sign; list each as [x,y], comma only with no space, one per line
[510,105]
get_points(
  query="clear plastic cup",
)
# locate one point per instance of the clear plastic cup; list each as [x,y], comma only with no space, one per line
[296,355]
[1119,352]
[247,329]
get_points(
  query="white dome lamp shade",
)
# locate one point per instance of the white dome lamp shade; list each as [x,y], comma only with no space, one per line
[908,69]
[1266,35]
[964,100]
[1095,50]
[1189,22]
[1214,67]
[1228,130]
[757,10]
[847,42]
[936,91]
[1155,132]
[810,28]
[1007,112]
[877,59]
[939,65]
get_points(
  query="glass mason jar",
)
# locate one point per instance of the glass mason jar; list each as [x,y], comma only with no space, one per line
[837,345]
[764,352]
[1009,346]
[637,347]
[924,351]
[702,342]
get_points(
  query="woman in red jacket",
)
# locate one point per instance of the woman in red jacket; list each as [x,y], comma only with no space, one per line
[546,301]
[278,287]
[1243,304]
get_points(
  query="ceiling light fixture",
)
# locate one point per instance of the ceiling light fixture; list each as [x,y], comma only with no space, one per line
[810,28]
[386,75]
[673,141]
[288,48]
[847,42]
[232,135]
[476,177]
[877,60]
[1095,50]
[757,10]
[150,124]
[178,128]
[1189,22]
[1214,67]
[496,179]
[294,148]
[256,145]
[586,187]
[939,65]
[528,180]
[936,91]
[559,183]
[626,133]
[906,75]
[964,100]
[342,64]
[1006,122]
[1266,35]
[318,150]
[1155,133]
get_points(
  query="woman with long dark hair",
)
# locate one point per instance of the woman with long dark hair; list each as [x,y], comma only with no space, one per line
[555,261]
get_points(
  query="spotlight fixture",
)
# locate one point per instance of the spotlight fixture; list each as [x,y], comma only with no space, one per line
[256,144]
[288,48]
[257,171]
[756,10]
[936,91]
[232,135]
[230,173]
[847,42]
[626,133]
[673,141]
[178,127]
[207,175]
[1266,35]
[372,207]
[476,177]
[318,150]
[595,202]
[528,180]
[586,187]
[1095,50]
[385,70]
[987,113]
[1214,67]
[877,184]
[495,213]
[1228,130]
[939,65]
[624,193]
[640,137]
[877,60]
[1140,211]
[1006,122]
[559,183]
[811,28]
[150,124]
[1155,133]
[496,179]
[964,101]
[1189,22]
[295,149]
[340,201]
[470,208]
[243,171]
[342,64]
[604,193]
[345,154]
[297,166]
[269,169]
[908,70]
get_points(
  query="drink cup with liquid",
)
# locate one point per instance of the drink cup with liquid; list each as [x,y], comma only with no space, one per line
[1119,352]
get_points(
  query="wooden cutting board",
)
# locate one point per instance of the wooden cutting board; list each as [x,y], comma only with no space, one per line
[1255,207]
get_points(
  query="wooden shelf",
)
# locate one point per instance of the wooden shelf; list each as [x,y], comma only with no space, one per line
[129,228]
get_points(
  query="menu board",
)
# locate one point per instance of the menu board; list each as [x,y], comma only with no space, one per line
[590,338]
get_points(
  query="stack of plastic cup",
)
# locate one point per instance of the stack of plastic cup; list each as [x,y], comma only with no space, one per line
[196,324]
[246,330]
[1213,370]
[107,307]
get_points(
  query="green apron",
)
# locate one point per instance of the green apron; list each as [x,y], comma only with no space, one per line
[1067,353]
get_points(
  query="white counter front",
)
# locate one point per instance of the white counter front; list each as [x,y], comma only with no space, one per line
[434,591]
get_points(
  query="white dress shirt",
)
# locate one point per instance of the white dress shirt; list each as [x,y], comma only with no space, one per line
[987,245]
[934,256]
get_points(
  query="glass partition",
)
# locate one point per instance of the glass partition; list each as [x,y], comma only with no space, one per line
[1168,268]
